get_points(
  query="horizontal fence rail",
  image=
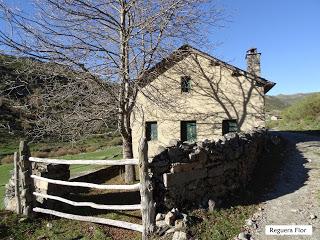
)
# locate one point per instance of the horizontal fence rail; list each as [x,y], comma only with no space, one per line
[115,223]
[90,204]
[29,203]
[86,162]
[129,187]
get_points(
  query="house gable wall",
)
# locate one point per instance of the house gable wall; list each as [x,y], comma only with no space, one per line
[217,93]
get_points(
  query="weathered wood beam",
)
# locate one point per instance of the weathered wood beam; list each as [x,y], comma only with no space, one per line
[116,223]
[146,188]
[131,187]
[17,183]
[87,162]
[90,204]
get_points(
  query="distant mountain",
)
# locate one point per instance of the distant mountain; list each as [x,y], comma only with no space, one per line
[275,104]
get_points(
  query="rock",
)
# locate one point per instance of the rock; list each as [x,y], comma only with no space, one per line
[179,236]
[185,217]
[312,216]
[160,216]
[23,219]
[179,224]
[162,230]
[211,205]
[260,209]
[49,225]
[161,223]
[170,218]
[249,222]
[242,236]
[170,230]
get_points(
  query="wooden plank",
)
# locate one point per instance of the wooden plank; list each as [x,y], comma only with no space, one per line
[90,204]
[16,183]
[131,187]
[147,202]
[87,162]
[115,223]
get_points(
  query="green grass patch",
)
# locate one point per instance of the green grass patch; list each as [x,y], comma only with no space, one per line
[4,178]
[13,227]
[9,144]
[221,224]
[106,153]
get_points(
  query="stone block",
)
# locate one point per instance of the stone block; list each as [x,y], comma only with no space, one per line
[181,178]
[170,219]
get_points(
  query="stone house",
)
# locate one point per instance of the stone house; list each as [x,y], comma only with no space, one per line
[192,96]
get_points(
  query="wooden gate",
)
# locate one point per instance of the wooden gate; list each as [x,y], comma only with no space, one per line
[147,205]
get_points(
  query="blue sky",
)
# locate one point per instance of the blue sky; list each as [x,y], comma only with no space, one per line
[287,33]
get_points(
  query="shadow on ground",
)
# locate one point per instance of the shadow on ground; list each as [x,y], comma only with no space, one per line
[269,181]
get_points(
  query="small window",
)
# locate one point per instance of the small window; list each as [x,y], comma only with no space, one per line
[229,126]
[151,131]
[185,84]
[188,131]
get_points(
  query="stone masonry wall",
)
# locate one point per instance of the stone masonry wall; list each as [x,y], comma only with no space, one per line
[53,171]
[189,174]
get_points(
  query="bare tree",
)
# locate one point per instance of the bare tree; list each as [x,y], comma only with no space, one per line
[117,41]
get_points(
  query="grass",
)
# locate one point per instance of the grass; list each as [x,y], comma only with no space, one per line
[11,227]
[221,224]
[106,153]
[15,227]
[9,144]
[5,172]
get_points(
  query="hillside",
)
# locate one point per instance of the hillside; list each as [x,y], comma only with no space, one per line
[301,114]
[274,104]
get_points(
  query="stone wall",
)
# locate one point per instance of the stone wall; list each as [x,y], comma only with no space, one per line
[53,171]
[188,174]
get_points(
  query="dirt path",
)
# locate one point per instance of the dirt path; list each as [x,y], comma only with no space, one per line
[296,196]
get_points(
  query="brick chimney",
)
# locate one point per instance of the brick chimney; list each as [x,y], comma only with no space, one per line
[253,61]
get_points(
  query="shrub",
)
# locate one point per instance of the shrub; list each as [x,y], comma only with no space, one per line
[40,154]
[115,141]
[7,159]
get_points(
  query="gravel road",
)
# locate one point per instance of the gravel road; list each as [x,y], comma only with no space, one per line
[296,196]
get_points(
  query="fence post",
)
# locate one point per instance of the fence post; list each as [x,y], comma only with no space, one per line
[26,183]
[16,183]
[147,202]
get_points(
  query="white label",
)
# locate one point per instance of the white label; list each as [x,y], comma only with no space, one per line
[282,230]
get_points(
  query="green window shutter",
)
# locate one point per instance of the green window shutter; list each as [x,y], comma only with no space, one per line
[229,126]
[151,131]
[188,131]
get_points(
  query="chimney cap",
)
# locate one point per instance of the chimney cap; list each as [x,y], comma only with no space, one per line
[252,51]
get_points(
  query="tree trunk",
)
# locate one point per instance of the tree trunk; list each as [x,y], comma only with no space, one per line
[130,175]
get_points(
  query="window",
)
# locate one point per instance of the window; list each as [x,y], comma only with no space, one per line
[185,84]
[229,126]
[188,131]
[151,131]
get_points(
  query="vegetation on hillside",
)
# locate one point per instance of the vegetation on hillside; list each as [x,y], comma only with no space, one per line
[275,104]
[302,115]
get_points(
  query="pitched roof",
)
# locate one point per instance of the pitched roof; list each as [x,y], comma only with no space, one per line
[184,51]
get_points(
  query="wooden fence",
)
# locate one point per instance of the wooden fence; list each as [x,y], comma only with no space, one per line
[25,186]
